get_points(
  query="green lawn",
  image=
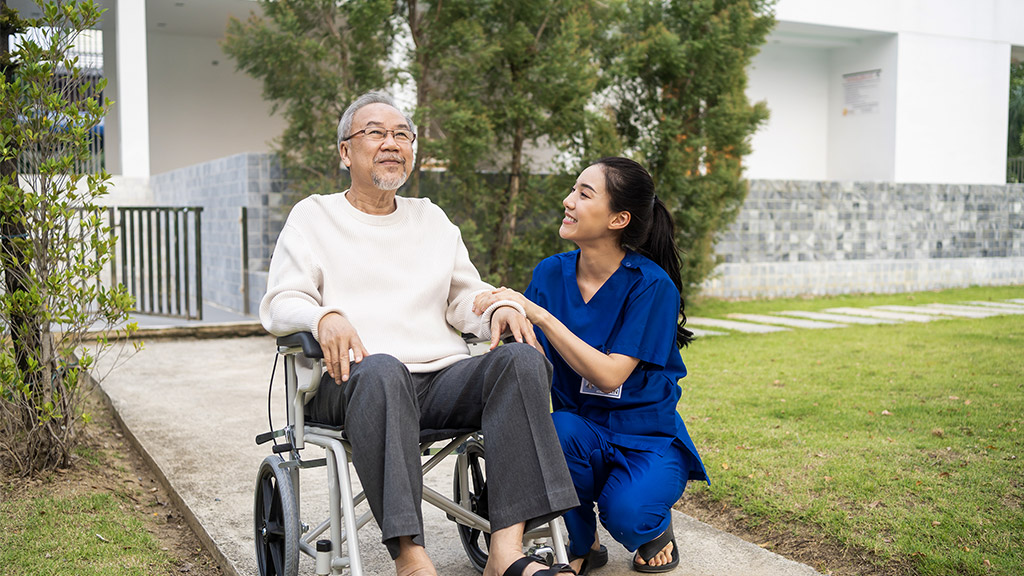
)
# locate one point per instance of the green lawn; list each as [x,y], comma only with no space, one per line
[902,440]
[88,535]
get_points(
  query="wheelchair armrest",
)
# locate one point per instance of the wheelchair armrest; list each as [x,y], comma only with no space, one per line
[310,347]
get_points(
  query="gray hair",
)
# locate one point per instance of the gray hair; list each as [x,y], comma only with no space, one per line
[345,124]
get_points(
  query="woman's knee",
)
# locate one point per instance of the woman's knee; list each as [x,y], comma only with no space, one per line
[576,438]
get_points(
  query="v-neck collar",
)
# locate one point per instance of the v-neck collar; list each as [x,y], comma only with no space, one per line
[569,274]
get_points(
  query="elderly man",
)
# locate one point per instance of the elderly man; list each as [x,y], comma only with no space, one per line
[385,285]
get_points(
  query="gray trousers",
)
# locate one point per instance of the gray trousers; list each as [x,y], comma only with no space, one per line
[504,393]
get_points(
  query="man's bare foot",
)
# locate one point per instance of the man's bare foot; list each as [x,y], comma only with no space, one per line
[505,549]
[412,559]
[660,559]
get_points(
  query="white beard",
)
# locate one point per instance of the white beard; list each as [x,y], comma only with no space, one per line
[389,182]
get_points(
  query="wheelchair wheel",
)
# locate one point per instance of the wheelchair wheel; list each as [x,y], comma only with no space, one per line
[276,520]
[475,542]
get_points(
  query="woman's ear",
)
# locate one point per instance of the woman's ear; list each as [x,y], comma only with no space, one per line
[619,220]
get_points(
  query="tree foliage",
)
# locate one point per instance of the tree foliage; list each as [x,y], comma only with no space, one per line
[53,240]
[1015,135]
[676,81]
[314,57]
[662,81]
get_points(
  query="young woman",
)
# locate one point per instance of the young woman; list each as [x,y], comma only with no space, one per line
[608,319]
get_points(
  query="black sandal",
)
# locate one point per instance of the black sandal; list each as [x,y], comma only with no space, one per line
[517,567]
[651,549]
[591,560]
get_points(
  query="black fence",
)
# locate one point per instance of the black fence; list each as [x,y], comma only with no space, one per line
[1015,170]
[160,259]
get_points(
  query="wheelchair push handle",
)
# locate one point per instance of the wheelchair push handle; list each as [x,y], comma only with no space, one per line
[310,347]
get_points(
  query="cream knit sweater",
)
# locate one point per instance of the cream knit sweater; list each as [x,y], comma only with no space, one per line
[403,280]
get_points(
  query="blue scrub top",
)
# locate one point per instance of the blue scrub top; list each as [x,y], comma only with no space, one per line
[635,314]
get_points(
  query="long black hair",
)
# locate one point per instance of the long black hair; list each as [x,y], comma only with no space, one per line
[651,230]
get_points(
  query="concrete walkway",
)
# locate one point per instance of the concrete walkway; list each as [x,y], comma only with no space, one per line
[194,399]
[194,406]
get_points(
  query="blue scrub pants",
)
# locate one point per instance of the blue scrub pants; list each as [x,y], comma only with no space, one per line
[634,489]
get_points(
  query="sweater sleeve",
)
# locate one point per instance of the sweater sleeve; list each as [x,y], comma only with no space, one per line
[465,286]
[294,298]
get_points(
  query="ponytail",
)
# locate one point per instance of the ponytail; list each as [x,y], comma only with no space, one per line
[661,248]
[651,231]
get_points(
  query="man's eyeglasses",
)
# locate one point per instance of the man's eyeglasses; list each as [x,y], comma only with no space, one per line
[401,135]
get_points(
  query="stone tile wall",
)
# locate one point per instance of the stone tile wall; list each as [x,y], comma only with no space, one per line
[791,237]
[222,187]
[803,237]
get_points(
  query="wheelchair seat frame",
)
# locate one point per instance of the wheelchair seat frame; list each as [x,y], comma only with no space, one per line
[281,536]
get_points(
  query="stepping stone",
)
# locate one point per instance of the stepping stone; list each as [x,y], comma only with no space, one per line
[932,310]
[1016,300]
[699,333]
[841,318]
[977,311]
[746,327]
[791,322]
[883,314]
[997,305]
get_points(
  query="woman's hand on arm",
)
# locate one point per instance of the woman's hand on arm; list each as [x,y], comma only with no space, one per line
[484,300]
[605,371]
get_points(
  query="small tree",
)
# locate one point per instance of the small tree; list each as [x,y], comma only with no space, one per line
[54,241]
[506,76]
[676,86]
[314,57]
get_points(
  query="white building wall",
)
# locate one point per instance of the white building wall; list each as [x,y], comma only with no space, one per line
[942,93]
[793,143]
[952,102]
[861,144]
[206,109]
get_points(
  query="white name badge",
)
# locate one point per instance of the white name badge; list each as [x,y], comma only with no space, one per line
[588,388]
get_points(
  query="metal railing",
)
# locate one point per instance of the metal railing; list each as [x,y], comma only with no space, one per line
[1015,170]
[161,259]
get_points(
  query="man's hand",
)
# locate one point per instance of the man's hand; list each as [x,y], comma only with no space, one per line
[508,318]
[337,337]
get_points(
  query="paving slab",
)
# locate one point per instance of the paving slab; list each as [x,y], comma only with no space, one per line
[700,332]
[791,322]
[883,314]
[1016,300]
[978,311]
[194,407]
[746,327]
[1000,305]
[840,318]
[932,310]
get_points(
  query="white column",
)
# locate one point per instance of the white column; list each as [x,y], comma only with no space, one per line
[132,98]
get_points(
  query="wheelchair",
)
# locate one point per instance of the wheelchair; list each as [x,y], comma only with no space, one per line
[281,536]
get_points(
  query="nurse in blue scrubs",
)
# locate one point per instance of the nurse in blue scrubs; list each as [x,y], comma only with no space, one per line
[608,318]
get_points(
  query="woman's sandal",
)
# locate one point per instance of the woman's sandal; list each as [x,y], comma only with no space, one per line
[591,560]
[651,549]
[517,567]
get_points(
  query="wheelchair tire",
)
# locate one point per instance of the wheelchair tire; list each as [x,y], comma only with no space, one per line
[475,542]
[276,520]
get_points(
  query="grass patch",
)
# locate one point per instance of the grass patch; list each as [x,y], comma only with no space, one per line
[902,440]
[708,307]
[91,534]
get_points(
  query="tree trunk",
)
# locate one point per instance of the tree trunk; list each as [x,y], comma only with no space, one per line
[506,231]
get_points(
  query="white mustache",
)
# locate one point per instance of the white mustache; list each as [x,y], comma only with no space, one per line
[390,157]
